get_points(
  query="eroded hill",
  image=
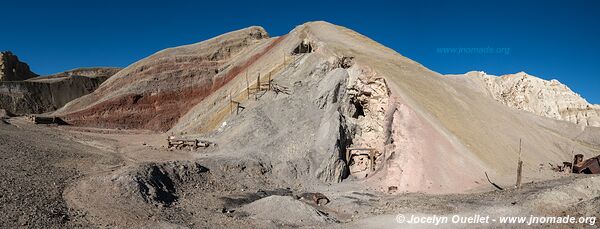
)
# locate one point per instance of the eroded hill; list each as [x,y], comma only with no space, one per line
[427,133]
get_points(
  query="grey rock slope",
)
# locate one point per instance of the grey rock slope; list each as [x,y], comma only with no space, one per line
[430,133]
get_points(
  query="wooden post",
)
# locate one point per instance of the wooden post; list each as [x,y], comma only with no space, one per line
[247,85]
[269,81]
[372,157]
[519,167]
[257,86]
[230,104]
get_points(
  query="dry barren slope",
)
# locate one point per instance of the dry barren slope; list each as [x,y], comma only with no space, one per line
[431,133]
[479,129]
[154,92]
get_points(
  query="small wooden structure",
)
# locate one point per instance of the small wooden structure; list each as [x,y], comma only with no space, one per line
[238,105]
[180,143]
[235,105]
[370,152]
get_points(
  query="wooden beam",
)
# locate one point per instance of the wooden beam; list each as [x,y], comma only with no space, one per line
[269,81]
[247,85]
[257,86]
[519,167]
[372,157]
[230,104]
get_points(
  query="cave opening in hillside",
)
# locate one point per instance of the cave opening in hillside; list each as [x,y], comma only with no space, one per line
[359,110]
[303,47]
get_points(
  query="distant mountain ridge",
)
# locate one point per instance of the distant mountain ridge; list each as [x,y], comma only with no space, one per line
[548,98]
[87,71]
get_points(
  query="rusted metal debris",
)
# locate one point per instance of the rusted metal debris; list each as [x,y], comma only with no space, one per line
[315,197]
[45,120]
[492,183]
[192,143]
[589,166]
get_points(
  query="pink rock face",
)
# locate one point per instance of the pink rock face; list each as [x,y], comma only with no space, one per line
[422,159]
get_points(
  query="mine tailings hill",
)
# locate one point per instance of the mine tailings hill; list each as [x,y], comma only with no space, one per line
[428,132]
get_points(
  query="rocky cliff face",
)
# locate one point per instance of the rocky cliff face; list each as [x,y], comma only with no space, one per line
[550,99]
[35,97]
[48,93]
[11,69]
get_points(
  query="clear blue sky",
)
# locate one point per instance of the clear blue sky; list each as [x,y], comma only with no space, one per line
[549,39]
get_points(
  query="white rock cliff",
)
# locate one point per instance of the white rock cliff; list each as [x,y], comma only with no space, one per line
[548,98]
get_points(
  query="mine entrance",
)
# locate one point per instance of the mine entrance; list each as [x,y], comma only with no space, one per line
[361,161]
[359,109]
[303,47]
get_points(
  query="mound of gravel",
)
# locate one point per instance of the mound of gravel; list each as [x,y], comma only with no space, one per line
[285,210]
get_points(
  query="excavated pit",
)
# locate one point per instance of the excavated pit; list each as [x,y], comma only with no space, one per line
[166,184]
[160,183]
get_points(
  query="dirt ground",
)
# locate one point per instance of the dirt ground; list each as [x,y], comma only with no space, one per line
[68,177]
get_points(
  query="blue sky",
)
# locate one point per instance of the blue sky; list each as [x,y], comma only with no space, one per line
[549,39]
